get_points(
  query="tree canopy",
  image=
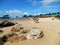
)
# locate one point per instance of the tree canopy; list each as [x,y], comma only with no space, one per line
[6,16]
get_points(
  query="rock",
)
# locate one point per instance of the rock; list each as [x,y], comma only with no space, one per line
[52,18]
[14,29]
[6,23]
[22,37]
[5,37]
[1,31]
[12,39]
[16,38]
[11,34]
[19,26]
[41,35]
[23,31]
[36,20]
[34,33]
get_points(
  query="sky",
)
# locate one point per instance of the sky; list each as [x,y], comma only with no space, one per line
[21,7]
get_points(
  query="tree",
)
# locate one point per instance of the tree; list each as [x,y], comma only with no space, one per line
[30,16]
[58,13]
[25,16]
[6,16]
[16,16]
[49,13]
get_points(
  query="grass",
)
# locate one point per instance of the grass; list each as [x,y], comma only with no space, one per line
[53,15]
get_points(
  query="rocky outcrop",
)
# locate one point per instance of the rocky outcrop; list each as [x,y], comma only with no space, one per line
[13,38]
[16,35]
[14,29]
[22,37]
[5,37]
[6,23]
[34,33]
[17,28]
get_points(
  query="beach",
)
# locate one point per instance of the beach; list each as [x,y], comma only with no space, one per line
[50,28]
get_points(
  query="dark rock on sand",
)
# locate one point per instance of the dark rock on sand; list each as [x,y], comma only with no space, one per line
[5,37]
[23,31]
[1,31]
[6,23]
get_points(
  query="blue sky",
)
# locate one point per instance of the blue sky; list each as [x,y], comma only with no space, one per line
[21,7]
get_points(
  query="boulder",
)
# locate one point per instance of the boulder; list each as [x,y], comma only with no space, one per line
[17,28]
[23,31]
[1,31]
[34,33]
[5,37]
[16,38]
[14,29]
[22,37]
[6,23]
[13,38]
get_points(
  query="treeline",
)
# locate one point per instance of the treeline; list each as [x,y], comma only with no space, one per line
[44,15]
[40,15]
[5,16]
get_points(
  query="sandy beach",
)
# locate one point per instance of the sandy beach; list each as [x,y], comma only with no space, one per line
[50,28]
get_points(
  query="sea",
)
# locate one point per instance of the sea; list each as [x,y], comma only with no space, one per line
[1,19]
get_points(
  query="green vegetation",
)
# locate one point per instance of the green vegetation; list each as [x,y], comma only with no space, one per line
[6,16]
[53,15]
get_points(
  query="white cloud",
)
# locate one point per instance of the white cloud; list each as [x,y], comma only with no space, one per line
[13,12]
[45,2]
[26,13]
[17,12]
